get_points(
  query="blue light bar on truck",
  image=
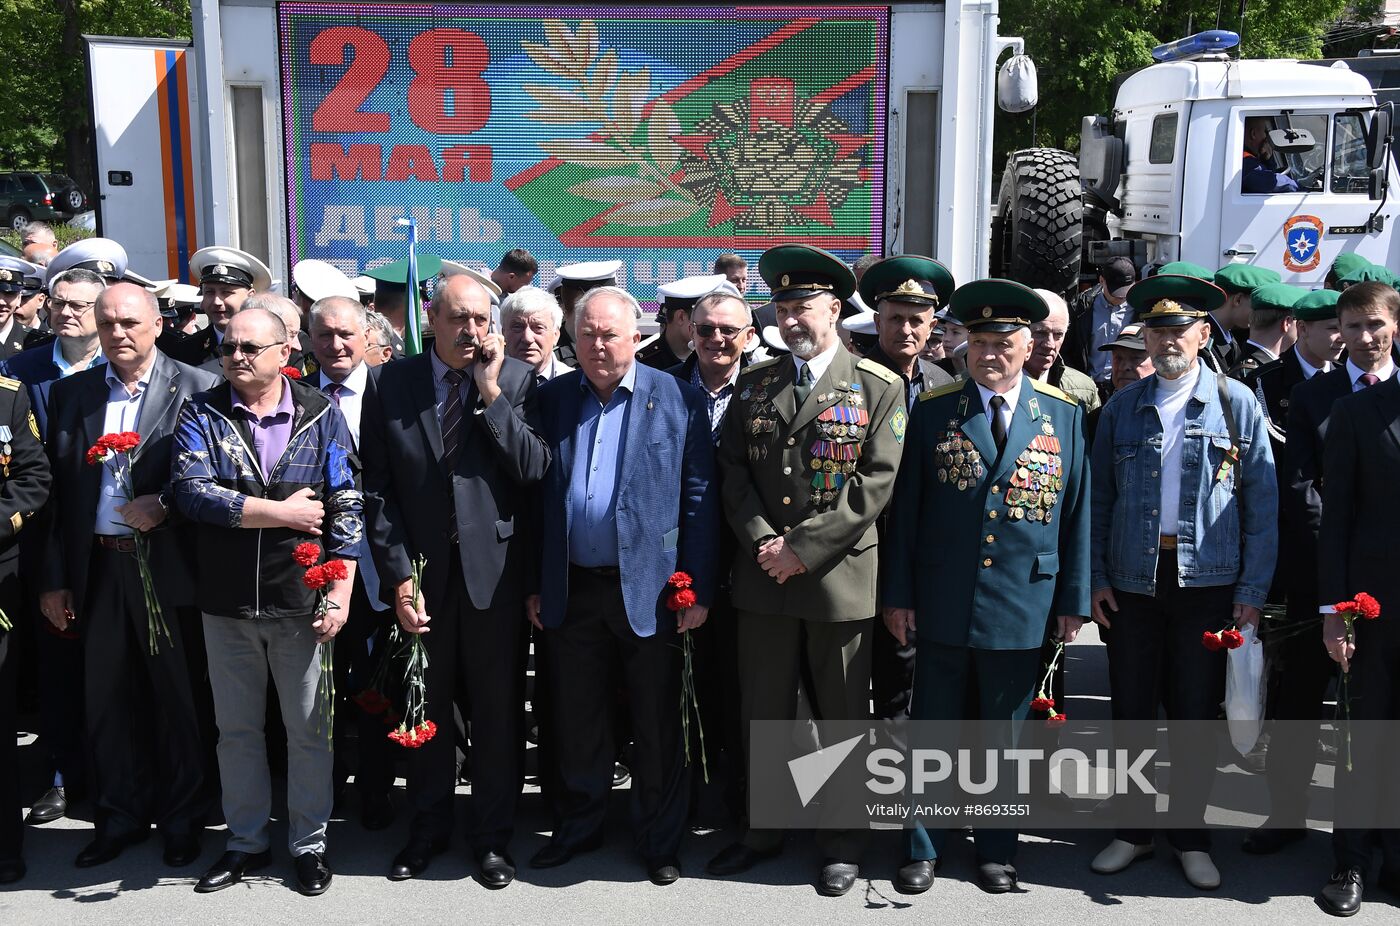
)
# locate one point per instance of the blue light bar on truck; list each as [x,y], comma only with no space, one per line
[1210,42]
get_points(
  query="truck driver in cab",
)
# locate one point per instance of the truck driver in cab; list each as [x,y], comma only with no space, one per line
[1256,174]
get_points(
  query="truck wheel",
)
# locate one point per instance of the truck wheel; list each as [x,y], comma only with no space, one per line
[18,219]
[1037,234]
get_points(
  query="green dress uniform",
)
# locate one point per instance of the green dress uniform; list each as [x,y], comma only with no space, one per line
[817,473]
[985,543]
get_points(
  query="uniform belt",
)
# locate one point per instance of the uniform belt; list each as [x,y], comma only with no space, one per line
[120,544]
[607,572]
[1167,542]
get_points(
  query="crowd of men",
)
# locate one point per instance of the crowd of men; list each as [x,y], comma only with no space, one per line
[890,496]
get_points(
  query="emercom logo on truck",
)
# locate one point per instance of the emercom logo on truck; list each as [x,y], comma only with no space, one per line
[661,136]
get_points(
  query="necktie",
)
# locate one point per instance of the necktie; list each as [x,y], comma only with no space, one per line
[452,436]
[804,384]
[1368,379]
[998,423]
[333,390]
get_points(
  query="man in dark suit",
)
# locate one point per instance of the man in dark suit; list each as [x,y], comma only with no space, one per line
[24,487]
[449,453]
[629,500]
[91,579]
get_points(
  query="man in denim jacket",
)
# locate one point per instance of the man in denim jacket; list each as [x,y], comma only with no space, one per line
[1184,543]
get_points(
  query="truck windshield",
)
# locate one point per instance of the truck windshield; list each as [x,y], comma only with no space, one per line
[1306,167]
[1350,158]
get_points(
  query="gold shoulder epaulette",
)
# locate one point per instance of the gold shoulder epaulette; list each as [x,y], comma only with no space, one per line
[1052,391]
[870,366]
[945,389]
[761,365]
[10,384]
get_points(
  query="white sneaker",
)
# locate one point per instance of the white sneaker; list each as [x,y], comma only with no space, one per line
[1200,870]
[1118,855]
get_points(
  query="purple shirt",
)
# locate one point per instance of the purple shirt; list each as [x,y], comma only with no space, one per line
[270,433]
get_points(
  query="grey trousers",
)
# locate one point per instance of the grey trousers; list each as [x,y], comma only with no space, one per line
[241,654]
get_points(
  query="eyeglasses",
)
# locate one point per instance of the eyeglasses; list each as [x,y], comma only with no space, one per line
[79,308]
[247,348]
[729,332]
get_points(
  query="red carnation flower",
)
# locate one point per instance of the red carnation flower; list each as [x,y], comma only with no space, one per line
[1212,641]
[335,570]
[372,701]
[681,599]
[96,455]
[1056,720]
[315,578]
[1367,606]
[1231,639]
[680,580]
[1043,704]
[291,373]
[125,442]
[306,554]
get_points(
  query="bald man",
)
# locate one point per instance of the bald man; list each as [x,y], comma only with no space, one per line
[138,685]
[462,508]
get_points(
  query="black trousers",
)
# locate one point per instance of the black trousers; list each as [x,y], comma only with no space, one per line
[142,724]
[477,653]
[1302,671]
[891,673]
[61,700]
[716,662]
[1155,656]
[359,647]
[584,652]
[1368,791]
[11,808]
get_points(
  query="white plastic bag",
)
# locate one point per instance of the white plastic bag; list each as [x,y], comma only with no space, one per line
[1245,690]
[1017,86]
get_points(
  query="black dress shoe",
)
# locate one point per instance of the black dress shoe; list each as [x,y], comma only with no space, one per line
[181,850]
[52,806]
[914,876]
[104,849]
[556,853]
[664,871]
[837,877]
[1342,895]
[738,858]
[1268,841]
[415,857]
[11,870]
[230,869]
[996,878]
[376,812]
[313,874]
[497,869]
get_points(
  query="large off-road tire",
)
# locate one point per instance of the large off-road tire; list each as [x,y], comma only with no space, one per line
[1037,234]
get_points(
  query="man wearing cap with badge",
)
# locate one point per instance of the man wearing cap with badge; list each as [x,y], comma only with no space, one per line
[1271,330]
[14,336]
[808,455]
[1184,543]
[1130,364]
[33,301]
[391,293]
[1002,455]
[225,277]
[574,280]
[670,346]
[1096,318]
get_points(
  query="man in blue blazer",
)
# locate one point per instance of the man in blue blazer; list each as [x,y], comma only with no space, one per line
[629,499]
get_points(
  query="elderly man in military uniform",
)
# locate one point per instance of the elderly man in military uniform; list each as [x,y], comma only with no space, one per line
[225,277]
[988,537]
[808,456]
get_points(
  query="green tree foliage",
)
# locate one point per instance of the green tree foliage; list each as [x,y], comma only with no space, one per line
[1080,46]
[43,109]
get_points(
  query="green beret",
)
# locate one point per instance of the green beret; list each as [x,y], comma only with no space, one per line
[907,278]
[796,271]
[1244,278]
[1318,305]
[1367,273]
[996,305]
[1347,263]
[429,265]
[1184,268]
[1170,299]
[1276,296]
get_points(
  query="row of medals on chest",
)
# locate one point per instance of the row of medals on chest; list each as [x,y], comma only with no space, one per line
[1034,484]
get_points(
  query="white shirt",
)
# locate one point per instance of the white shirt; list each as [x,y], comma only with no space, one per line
[1355,373]
[9,326]
[352,397]
[1309,371]
[553,367]
[1170,401]
[123,412]
[1008,411]
[819,363]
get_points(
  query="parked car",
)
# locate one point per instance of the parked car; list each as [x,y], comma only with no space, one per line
[26,195]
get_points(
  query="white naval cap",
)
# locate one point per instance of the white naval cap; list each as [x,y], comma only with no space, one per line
[181,294]
[317,279]
[103,256]
[601,272]
[364,284]
[13,270]
[860,323]
[688,289]
[231,266]
[450,268]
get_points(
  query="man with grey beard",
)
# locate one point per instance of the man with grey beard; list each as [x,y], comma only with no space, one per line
[1183,544]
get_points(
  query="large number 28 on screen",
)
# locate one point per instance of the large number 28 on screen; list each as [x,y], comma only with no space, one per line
[442,60]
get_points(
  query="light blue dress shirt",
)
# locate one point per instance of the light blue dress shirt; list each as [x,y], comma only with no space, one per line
[123,412]
[600,443]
